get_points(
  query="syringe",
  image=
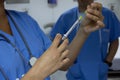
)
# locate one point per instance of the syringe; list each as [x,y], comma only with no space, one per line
[72,27]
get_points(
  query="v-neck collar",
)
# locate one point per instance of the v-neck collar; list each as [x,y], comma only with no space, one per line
[10,37]
[12,26]
[16,35]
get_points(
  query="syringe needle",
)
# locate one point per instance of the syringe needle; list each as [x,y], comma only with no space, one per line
[71,29]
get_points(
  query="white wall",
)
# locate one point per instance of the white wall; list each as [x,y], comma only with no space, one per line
[41,11]
[108,3]
[43,14]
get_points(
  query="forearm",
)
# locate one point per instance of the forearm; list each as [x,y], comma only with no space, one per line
[112,50]
[75,47]
[31,76]
[35,73]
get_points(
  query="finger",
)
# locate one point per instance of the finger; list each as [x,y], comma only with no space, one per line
[64,62]
[97,6]
[63,46]
[56,40]
[65,54]
[88,6]
[92,17]
[94,12]
[101,24]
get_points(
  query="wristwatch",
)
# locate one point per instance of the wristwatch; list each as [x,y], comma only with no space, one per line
[108,63]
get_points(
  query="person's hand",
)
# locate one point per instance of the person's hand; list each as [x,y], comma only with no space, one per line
[94,18]
[54,58]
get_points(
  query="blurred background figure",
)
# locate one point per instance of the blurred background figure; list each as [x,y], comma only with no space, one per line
[96,56]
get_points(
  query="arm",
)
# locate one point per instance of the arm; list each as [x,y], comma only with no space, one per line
[114,39]
[50,61]
[112,50]
[93,18]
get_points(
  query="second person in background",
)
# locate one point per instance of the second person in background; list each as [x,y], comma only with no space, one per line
[93,60]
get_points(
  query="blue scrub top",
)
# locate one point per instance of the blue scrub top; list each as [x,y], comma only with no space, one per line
[10,61]
[89,64]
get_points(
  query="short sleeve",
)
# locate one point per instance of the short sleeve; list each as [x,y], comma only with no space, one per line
[115,28]
[59,27]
